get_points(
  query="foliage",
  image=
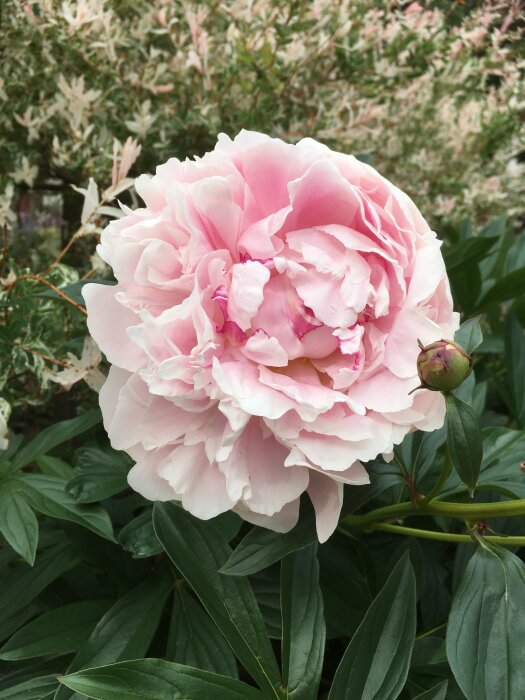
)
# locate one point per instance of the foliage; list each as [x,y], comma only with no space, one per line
[420,591]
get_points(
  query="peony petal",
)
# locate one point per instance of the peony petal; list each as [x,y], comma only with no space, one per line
[108,323]
[262,349]
[144,478]
[246,292]
[327,498]
[199,485]
[255,472]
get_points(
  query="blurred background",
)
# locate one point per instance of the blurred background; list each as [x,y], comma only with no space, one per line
[95,92]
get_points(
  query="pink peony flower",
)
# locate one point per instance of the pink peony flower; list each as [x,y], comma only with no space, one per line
[263,331]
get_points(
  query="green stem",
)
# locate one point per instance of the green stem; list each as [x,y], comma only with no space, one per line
[463,511]
[435,490]
[511,541]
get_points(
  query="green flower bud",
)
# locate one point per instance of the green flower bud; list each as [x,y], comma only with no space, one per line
[443,365]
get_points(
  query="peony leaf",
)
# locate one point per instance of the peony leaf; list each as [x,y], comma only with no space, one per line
[23,584]
[156,679]
[515,363]
[126,630]
[18,523]
[508,287]
[195,640]
[47,495]
[437,692]
[376,662]
[101,474]
[486,626]
[470,250]
[469,335]
[57,631]
[55,435]
[138,536]
[304,628]
[464,440]
[198,551]
[262,547]
[32,689]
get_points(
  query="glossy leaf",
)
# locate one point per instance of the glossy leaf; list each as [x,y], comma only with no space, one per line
[376,662]
[470,250]
[155,679]
[469,335]
[47,494]
[39,688]
[464,440]
[486,627]
[22,584]
[58,631]
[228,524]
[54,466]
[194,639]
[126,630]
[199,551]
[304,629]
[507,287]
[100,474]
[437,692]
[515,363]
[262,547]
[18,523]
[138,536]
[55,435]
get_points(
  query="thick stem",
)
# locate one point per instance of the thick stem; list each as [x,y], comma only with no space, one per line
[463,511]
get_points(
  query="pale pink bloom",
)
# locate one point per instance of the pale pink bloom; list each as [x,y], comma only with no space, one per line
[263,331]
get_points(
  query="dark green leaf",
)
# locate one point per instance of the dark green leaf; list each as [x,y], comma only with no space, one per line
[155,679]
[228,524]
[262,547]
[508,287]
[346,588]
[266,586]
[95,485]
[464,440]
[466,286]
[126,630]
[138,536]
[438,692]
[469,335]
[32,670]
[198,551]
[55,435]
[12,623]
[23,583]
[376,662]
[34,689]
[47,494]
[195,640]
[486,627]
[54,466]
[18,523]
[304,628]
[58,631]
[468,251]
[102,474]
[515,362]
[382,477]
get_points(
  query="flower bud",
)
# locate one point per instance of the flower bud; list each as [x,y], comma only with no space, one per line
[443,365]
